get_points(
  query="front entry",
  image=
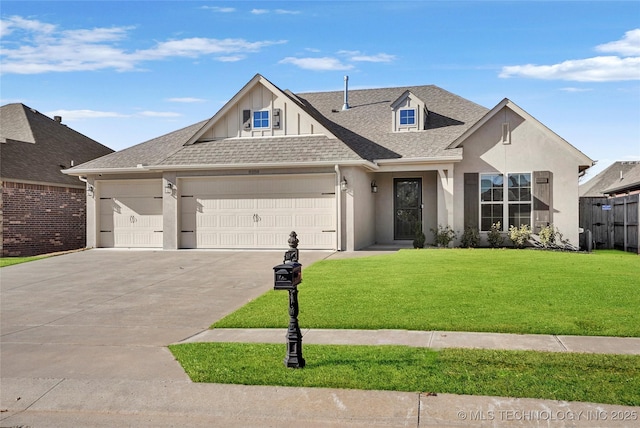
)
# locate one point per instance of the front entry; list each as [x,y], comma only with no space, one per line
[407,206]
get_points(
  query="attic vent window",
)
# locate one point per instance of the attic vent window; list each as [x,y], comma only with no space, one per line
[261,119]
[407,117]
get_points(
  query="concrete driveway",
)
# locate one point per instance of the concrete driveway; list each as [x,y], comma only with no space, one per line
[107,314]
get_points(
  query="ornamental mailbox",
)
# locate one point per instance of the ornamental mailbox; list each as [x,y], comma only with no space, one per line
[287,276]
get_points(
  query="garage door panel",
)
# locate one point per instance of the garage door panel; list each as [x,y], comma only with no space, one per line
[260,212]
[130,213]
[205,240]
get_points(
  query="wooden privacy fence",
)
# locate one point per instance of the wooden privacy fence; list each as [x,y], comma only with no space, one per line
[613,222]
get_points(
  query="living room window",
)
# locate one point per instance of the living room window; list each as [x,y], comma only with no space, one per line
[494,207]
[261,119]
[407,117]
[519,188]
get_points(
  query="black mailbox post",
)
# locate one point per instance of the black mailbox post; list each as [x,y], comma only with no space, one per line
[287,276]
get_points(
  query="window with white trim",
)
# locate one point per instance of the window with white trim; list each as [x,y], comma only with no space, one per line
[494,207]
[261,119]
[407,117]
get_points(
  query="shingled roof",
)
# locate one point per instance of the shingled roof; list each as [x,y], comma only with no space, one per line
[366,126]
[619,177]
[35,148]
[364,134]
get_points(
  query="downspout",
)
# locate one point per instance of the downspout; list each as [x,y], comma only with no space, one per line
[339,209]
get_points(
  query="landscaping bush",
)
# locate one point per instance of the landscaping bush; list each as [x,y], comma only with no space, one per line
[520,235]
[551,238]
[418,242]
[547,236]
[470,237]
[494,236]
[443,235]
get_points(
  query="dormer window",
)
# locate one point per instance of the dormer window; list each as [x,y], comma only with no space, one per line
[407,117]
[261,119]
[408,113]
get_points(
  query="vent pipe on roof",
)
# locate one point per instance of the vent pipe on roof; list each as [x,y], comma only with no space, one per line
[346,93]
[57,119]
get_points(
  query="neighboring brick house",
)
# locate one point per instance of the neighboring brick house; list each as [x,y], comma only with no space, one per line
[43,210]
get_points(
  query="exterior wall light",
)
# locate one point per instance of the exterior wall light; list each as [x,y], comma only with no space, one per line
[168,188]
[374,187]
[343,184]
[90,190]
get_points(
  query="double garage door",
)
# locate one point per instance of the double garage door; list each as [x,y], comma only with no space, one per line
[222,212]
[258,212]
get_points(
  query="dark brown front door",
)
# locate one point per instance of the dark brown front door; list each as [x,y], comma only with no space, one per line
[407,206]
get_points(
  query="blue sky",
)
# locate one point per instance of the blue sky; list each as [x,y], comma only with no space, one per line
[124,72]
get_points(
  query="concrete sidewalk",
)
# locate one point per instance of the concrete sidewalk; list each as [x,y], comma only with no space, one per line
[431,339]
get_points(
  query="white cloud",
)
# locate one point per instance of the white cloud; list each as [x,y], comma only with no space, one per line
[259,11]
[147,113]
[82,114]
[330,63]
[231,58]
[9,25]
[41,48]
[629,45]
[219,9]
[317,64]
[186,100]
[71,115]
[197,46]
[381,57]
[596,69]
[572,89]
[287,12]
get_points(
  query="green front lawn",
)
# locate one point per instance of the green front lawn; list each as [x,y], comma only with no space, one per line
[613,379]
[8,261]
[507,291]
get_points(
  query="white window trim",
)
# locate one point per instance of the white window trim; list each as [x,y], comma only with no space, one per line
[504,227]
[253,123]
[415,118]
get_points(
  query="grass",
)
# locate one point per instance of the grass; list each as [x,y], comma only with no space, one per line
[613,379]
[482,290]
[8,261]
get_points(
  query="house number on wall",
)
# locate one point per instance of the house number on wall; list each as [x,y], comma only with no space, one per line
[256,218]
[132,219]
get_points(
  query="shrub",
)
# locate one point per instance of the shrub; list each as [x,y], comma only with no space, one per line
[443,235]
[551,238]
[520,235]
[547,236]
[470,237]
[494,236]
[418,242]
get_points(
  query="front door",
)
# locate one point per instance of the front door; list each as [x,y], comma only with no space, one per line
[408,207]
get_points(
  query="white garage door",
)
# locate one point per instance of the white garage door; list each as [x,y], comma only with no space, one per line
[130,214]
[258,212]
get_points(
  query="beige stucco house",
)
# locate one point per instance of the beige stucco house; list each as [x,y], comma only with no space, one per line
[345,170]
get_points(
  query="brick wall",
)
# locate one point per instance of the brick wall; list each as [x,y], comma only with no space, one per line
[39,219]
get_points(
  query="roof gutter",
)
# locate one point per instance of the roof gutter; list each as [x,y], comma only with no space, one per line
[364,163]
[80,172]
[433,159]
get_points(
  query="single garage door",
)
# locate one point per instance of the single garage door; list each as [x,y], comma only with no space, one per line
[130,214]
[258,212]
